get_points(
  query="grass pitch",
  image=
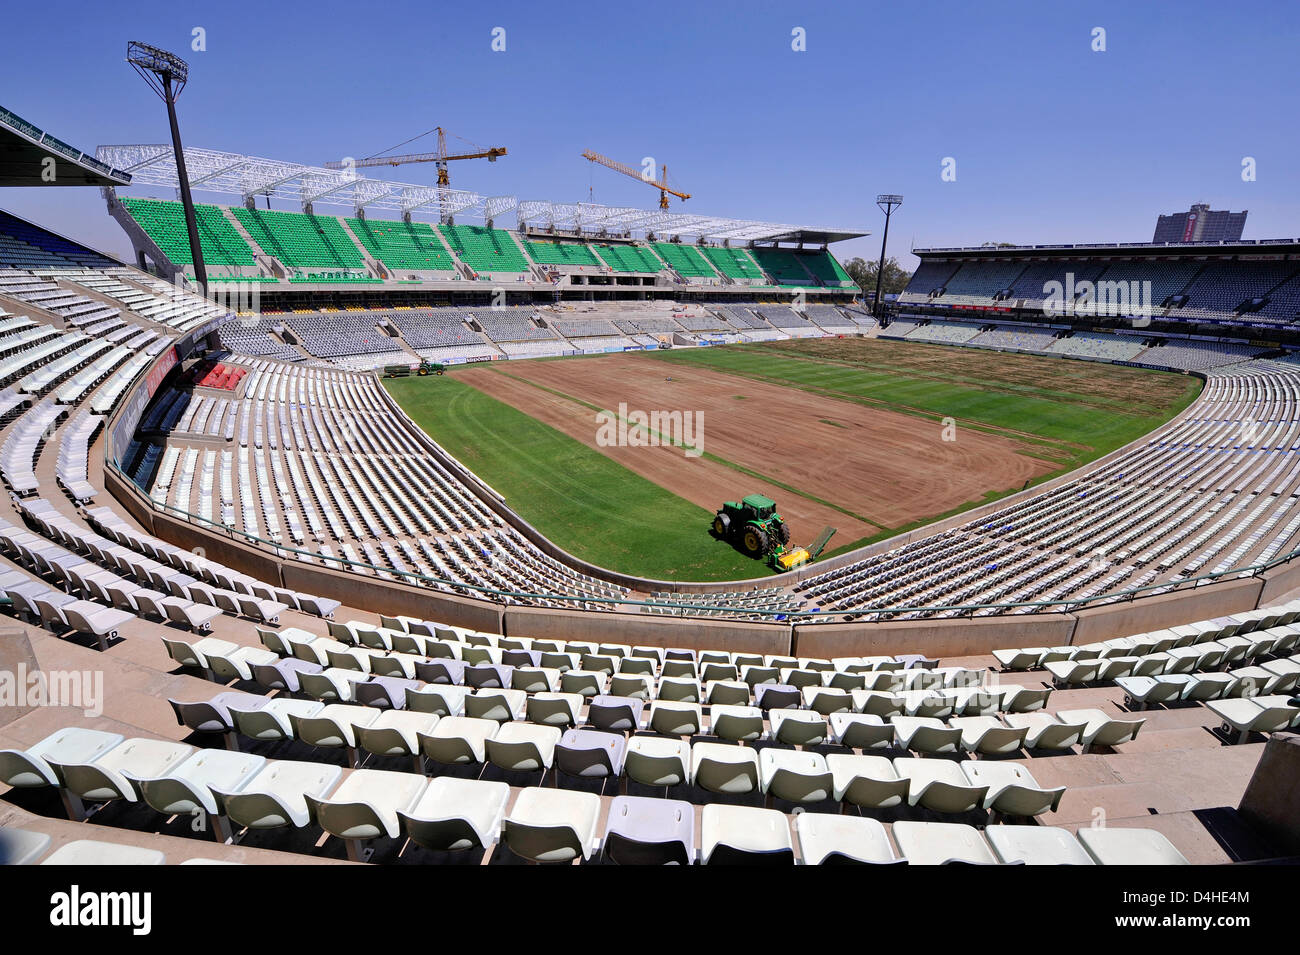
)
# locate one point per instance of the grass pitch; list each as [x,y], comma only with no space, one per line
[1067,412]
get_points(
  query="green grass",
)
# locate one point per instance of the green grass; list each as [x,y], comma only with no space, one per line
[1068,427]
[586,503]
[1065,412]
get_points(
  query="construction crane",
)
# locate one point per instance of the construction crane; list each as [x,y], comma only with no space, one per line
[441,157]
[661,183]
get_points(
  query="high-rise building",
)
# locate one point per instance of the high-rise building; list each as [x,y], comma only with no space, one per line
[1200,224]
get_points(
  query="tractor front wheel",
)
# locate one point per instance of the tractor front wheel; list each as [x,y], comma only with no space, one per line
[721,525]
[755,541]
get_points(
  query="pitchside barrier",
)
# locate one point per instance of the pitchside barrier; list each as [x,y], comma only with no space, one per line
[1060,622]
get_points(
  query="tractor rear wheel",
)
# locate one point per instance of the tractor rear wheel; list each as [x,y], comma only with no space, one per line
[781,531]
[755,541]
[721,524]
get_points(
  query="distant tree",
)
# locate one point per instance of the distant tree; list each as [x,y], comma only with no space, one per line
[997,245]
[864,273]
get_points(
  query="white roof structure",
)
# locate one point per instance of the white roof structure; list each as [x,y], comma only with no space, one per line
[248,176]
[233,174]
[589,219]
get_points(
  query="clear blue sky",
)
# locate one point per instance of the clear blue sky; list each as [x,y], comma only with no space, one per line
[1053,142]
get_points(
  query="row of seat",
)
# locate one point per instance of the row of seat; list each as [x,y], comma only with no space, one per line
[544,824]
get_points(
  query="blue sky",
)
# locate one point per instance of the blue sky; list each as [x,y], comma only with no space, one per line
[1052,141]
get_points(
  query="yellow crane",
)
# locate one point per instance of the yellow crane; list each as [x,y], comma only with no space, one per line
[441,157]
[661,183]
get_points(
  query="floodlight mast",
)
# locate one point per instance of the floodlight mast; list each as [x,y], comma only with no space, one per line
[166,75]
[887,204]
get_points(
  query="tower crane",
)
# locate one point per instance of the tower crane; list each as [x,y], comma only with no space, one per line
[440,156]
[661,183]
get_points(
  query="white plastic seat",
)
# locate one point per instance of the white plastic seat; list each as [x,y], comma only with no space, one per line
[797,727]
[828,838]
[455,813]
[109,776]
[459,739]
[673,718]
[742,834]
[1046,731]
[188,787]
[1121,846]
[1036,845]
[941,843]
[736,723]
[940,785]
[925,734]
[1012,789]
[1101,729]
[861,731]
[553,825]
[366,804]
[37,765]
[1256,714]
[277,794]
[395,732]
[795,775]
[725,768]
[523,747]
[871,782]
[658,760]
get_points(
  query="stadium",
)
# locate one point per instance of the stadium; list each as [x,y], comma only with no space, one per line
[357,520]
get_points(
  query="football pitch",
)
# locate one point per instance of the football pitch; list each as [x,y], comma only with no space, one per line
[869,436]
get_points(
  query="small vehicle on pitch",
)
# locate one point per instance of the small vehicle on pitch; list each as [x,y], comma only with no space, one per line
[424,368]
[753,524]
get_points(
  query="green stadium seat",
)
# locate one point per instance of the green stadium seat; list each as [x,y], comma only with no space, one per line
[403,245]
[630,258]
[733,263]
[484,249]
[300,240]
[686,259]
[561,253]
[164,221]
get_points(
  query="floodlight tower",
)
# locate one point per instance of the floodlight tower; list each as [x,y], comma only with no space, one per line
[887,205]
[166,74]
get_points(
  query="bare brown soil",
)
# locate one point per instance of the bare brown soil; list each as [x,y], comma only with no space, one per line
[884,468]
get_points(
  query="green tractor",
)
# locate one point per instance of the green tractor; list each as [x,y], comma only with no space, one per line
[424,368]
[753,524]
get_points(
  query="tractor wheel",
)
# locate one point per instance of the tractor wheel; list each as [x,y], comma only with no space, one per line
[755,541]
[721,525]
[781,531]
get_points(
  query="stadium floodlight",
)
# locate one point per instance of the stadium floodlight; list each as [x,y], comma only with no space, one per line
[166,73]
[887,203]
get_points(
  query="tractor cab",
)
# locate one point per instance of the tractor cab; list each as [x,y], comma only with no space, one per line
[753,523]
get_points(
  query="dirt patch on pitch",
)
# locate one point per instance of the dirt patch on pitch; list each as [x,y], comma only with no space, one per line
[884,468]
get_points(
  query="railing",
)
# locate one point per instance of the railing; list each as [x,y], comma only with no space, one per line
[1061,605]
[16,122]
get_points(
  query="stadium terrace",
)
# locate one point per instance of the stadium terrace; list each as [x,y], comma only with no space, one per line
[365,584]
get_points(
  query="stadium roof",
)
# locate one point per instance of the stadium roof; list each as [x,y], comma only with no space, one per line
[246,176]
[1255,247]
[25,149]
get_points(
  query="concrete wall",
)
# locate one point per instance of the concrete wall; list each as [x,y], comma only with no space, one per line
[1279,581]
[934,638]
[1167,610]
[1272,798]
[391,598]
[648,630]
